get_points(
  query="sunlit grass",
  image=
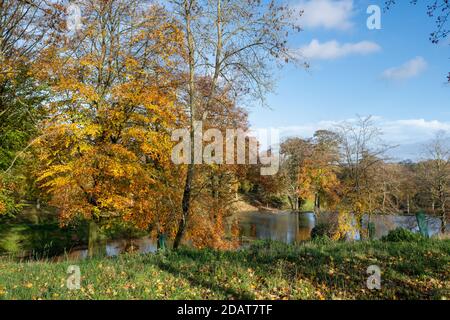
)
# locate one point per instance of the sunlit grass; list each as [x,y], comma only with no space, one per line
[267,270]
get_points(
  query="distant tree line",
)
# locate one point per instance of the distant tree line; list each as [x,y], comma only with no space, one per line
[347,169]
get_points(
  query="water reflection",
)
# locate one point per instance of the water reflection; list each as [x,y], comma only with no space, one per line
[285,227]
[114,248]
[295,227]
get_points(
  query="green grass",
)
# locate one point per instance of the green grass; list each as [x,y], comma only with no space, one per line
[38,234]
[266,270]
[39,240]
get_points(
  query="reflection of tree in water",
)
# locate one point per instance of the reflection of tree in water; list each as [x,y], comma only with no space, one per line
[292,228]
[306,223]
[130,246]
[303,234]
[386,223]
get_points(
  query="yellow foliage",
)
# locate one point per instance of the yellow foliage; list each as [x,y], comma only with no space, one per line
[105,152]
[345,225]
[3,193]
[209,232]
[317,177]
[2,207]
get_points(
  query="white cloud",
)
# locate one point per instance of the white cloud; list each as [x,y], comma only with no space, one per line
[404,131]
[410,135]
[333,49]
[433,125]
[413,130]
[329,14]
[408,70]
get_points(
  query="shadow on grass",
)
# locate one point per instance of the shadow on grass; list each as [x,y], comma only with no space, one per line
[334,267]
[37,241]
[185,258]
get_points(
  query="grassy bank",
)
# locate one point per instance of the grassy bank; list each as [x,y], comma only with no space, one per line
[38,240]
[38,234]
[263,271]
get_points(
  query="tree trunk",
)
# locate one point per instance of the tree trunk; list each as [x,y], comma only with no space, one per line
[186,205]
[186,202]
[408,208]
[317,204]
[291,202]
[96,243]
[443,219]
[360,226]
[443,223]
[298,204]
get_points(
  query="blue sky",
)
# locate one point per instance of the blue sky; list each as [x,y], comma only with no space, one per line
[394,74]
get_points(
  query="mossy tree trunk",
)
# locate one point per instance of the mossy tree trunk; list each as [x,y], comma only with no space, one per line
[97,242]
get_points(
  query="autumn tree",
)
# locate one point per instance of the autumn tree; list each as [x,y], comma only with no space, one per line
[362,150]
[235,43]
[106,147]
[294,152]
[409,186]
[318,174]
[435,175]
[217,182]
[23,28]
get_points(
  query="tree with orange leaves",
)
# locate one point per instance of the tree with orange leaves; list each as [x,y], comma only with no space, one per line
[105,149]
[216,185]
[318,181]
[324,169]
[236,43]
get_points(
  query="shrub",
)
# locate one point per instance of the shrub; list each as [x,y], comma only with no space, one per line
[322,230]
[402,235]
[276,202]
[246,187]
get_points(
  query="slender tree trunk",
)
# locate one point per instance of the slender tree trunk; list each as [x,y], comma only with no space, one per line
[443,223]
[443,219]
[317,204]
[408,208]
[360,225]
[186,202]
[291,203]
[218,53]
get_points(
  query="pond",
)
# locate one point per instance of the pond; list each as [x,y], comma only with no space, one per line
[286,227]
[296,227]
[113,248]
